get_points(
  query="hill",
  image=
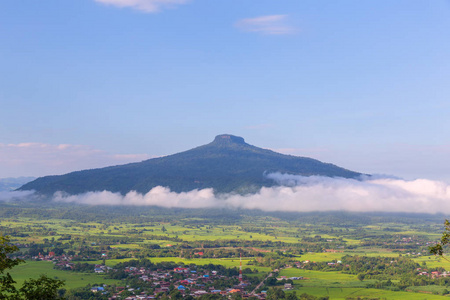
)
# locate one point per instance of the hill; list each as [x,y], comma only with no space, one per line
[228,164]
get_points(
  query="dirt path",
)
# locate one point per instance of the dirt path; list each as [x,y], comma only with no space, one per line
[260,284]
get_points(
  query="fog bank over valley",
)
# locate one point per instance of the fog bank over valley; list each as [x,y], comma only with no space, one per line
[294,194]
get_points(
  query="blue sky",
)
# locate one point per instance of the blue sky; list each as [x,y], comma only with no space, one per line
[362,84]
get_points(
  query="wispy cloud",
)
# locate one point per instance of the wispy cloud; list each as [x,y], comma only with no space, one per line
[297,194]
[38,159]
[270,25]
[393,159]
[148,6]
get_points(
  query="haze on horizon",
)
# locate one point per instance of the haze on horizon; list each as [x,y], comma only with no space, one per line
[93,83]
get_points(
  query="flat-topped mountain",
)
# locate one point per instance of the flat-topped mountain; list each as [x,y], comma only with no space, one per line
[228,164]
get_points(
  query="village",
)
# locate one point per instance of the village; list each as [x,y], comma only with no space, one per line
[162,279]
[144,280]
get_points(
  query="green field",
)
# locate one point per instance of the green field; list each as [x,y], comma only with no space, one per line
[226,262]
[266,242]
[339,286]
[343,293]
[33,269]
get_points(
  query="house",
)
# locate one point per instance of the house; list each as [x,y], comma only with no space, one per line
[435,274]
[201,292]
[181,270]
[97,289]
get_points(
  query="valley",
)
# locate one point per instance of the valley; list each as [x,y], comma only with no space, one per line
[338,255]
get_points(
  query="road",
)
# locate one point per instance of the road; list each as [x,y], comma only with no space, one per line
[260,284]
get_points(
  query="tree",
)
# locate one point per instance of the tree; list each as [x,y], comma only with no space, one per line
[292,296]
[275,293]
[445,239]
[43,288]
[175,294]
[7,288]
[236,296]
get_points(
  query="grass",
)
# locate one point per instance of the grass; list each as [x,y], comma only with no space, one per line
[428,289]
[321,257]
[334,284]
[338,293]
[187,233]
[33,269]
[226,262]
[434,261]
[340,286]
[321,279]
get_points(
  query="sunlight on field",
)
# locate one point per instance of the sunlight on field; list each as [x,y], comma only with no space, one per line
[319,257]
[434,261]
[269,240]
[342,293]
[226,262]
[340,286]
[127,246]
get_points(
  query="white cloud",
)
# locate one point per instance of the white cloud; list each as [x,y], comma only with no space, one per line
[39,159]
[148,6]
[270,25]
[159,196]
[302,194]
[402,160]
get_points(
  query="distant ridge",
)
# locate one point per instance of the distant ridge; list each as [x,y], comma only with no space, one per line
[228,164]
[12,183]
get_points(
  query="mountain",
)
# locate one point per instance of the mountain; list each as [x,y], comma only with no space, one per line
[10,184]
[228,164]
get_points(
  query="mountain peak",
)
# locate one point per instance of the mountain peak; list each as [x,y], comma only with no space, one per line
[227,165]
[225,139]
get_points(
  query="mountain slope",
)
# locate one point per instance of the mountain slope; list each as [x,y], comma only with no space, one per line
[228,164]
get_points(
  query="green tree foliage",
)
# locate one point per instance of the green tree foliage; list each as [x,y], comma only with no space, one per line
[7,288]
[292,296]
[43,288]
[275,293]
[438,249]
[176,294]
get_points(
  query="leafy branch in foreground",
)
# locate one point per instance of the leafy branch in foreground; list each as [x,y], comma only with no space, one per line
[438,249]
[43,288]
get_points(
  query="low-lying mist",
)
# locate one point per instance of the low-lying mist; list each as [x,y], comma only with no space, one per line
[295,194]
